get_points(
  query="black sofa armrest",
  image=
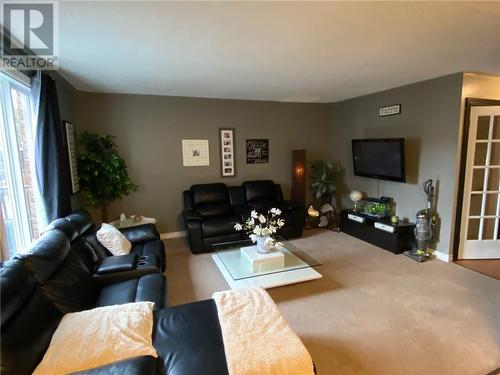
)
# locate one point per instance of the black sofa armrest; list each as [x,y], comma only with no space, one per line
[192,215]
[116,264]
[144,265]
[143,365]
[141,233]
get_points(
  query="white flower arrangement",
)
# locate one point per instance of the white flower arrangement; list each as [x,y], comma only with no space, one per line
[258,225]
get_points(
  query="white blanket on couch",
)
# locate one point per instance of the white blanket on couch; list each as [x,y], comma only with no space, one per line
[257,339]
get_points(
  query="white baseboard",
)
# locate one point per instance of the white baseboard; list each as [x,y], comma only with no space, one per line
[169,235]
[443,256]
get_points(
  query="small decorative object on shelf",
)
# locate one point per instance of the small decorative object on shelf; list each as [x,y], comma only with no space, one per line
[394,219]
[132,221]
[261,228]
[356,196]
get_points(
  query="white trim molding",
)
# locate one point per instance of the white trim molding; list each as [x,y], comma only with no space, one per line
[442,256]
[169,235]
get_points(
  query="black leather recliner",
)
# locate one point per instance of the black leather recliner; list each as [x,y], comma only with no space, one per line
[264,195]
[211,210]
[209,216]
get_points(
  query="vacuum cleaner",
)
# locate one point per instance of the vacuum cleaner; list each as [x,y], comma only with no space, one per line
[425,226]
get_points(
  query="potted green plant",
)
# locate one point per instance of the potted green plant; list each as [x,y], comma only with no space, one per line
[102,172]
[323,180]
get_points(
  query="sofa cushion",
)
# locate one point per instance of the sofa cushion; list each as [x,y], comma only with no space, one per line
[81,219]
[236,196]
[143,365]
[71,288]
[97,337]
[218,225]
[264,189]
[16,287]
[46,255]
[66,226]
[209,193]
[113,240]
[188,340]
[150,287]
[86,255]
[28,321]
[213,209]
[262,204]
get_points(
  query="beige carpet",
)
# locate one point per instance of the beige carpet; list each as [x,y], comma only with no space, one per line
[372,312]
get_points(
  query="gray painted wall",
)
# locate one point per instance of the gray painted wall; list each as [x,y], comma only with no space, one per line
[149,130]
[429,121]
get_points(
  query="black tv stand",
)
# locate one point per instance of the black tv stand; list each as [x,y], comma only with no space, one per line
[378,231]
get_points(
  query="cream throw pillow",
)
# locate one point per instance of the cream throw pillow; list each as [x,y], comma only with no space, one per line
[113,240]
[97,337]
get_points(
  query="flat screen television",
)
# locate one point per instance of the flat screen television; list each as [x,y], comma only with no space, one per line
[381,158]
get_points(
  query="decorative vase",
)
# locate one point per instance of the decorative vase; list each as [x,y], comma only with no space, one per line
[263,244]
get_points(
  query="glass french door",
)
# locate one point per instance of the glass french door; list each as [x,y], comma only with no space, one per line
[480,232]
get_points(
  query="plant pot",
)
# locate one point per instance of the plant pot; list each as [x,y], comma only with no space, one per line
[261,245]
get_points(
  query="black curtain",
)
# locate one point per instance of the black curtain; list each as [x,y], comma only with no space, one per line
[50,154]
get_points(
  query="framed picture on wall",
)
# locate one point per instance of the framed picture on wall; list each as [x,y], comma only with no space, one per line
[227,157]
[69,132]
[195,153]
[257,151]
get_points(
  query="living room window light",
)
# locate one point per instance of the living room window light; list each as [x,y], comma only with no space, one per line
[20,206]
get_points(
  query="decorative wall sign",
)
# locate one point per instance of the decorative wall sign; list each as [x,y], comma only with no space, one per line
[390,110]
[195,152]
[227,157]
[71,147]
[257,151]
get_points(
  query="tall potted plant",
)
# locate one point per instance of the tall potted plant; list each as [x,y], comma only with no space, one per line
[326,178]
[102,172]
[323,179]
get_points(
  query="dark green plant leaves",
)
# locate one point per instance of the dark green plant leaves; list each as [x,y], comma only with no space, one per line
[102,172]
[324,176]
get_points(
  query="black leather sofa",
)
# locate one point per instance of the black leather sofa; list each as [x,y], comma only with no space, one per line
[145,240]
[39,286]
[211,210]
[54,277]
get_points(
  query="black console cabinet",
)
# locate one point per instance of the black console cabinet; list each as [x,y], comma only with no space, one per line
[380,232]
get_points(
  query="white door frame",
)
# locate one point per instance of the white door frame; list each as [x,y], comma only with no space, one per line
[480,248]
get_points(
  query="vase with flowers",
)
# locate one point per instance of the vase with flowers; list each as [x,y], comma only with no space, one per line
[261,228]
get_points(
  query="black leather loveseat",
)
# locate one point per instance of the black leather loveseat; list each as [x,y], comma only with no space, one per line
[211,210]
[55,277]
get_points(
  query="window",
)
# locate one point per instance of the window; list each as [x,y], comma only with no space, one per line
[21,210]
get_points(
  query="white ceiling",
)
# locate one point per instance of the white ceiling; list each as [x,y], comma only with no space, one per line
[284,51]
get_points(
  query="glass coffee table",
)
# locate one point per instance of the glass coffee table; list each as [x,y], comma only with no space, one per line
[294,267]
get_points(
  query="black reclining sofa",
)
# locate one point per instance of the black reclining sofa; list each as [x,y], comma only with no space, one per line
[211,210]
[55,277]
[148,251]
